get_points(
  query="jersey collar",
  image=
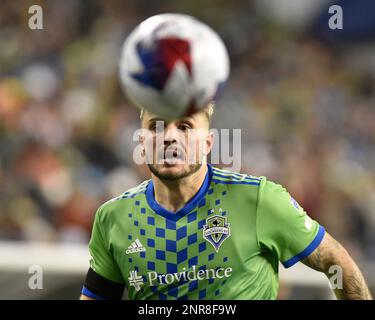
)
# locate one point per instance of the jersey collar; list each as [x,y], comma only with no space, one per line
[189,206]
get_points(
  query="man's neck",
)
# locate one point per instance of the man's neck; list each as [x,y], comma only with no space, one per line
[173,195]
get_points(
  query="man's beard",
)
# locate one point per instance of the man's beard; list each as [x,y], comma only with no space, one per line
[193,168]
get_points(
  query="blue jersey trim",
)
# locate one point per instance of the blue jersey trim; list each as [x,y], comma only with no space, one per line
[150,196]
[310,248]
[254,183]
[91,294]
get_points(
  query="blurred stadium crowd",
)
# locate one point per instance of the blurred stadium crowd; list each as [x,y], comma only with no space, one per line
[306,110]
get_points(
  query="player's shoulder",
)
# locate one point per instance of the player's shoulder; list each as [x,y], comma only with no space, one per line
[121,202]
[274,195]
[271,188]
[264,185]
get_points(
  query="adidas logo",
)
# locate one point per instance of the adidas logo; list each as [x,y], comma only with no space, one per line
[135,246]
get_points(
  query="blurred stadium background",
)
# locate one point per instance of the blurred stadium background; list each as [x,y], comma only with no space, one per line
[304,96]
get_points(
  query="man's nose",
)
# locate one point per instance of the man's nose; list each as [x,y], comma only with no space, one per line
[170,135]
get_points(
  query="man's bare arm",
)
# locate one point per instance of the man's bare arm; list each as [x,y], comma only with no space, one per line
[329,253]
[84,297]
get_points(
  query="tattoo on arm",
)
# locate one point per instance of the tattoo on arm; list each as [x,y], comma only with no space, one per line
[330,253]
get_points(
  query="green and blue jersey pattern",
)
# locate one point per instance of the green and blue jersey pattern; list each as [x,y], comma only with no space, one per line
[225,243]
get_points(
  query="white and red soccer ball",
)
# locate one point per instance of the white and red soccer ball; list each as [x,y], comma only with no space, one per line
[173,65]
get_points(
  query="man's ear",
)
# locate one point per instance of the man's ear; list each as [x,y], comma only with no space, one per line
[141,137]
[210,139]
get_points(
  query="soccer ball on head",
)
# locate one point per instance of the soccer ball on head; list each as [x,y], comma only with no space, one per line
[173,65]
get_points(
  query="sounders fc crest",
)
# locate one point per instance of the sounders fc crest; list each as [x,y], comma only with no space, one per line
[216,230]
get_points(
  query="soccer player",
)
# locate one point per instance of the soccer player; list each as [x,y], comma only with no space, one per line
[194,231]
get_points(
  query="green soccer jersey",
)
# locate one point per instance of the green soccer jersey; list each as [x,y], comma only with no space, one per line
[225,243]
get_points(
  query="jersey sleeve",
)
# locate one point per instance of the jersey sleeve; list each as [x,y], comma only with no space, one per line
[283,227]
[101,258]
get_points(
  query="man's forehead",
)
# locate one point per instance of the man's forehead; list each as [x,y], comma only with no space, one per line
[149,117]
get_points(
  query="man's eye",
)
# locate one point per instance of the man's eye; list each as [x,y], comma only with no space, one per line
[184,126]
[158,125]
[152,127]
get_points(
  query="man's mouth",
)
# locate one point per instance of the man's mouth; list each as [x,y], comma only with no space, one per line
[173,156]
